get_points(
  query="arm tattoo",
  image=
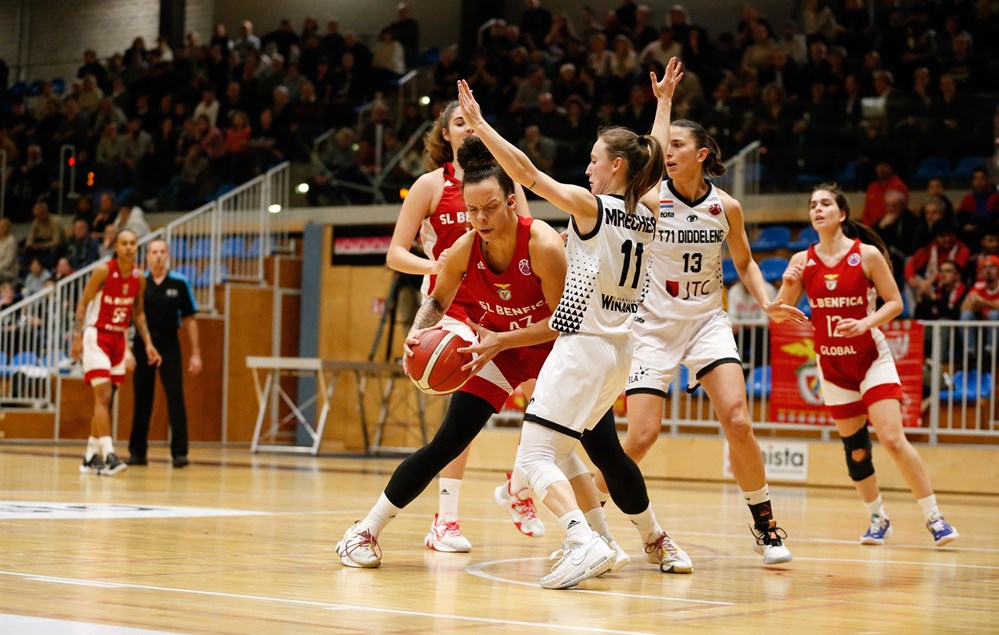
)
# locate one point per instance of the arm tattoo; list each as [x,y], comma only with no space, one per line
[429,314]
[533,183]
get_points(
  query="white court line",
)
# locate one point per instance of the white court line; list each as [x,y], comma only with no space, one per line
[476,570]
[31,625]
[936,565]
[329,605]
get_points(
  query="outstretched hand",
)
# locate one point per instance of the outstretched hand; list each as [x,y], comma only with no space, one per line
[663,88]
[780,312]
[470,110]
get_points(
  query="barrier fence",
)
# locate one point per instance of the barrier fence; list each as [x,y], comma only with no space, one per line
[227,238]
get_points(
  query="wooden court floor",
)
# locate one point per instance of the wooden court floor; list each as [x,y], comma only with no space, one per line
[88,554]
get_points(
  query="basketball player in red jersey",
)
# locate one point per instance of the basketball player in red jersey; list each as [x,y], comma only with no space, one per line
[512,270]
[111,299]
[857,373]
[435,210]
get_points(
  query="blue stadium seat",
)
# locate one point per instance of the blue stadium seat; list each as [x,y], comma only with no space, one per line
[253,248]
[61,362]
[810,180]
[805,237]
[773,268]
[200,247]
[932,168]
[178,248]
[772,237]
[234,247]
[188,271]
[966,165]
[729,273]
[758,384]
[968,386]
[848,176]
[225,188]
[58,85]
[804,306]
[24,358]
[4,367]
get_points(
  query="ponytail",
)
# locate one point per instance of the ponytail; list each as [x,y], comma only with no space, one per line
[643,154]
[436,150]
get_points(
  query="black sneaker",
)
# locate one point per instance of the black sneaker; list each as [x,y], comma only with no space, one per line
[114,465]
[180,461]
[94,466]
[137,460]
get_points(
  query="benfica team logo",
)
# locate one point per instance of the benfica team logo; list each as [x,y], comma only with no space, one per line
[504,291]
[831,281]
[124,288]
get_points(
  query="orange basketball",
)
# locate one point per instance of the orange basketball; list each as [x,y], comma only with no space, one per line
[435,366]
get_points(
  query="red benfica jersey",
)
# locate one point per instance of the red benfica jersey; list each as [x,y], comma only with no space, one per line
[448,222]
[981,288]
[111,309]
[512,299]
[835,293]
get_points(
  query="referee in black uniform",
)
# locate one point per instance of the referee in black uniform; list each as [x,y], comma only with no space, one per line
[169,302]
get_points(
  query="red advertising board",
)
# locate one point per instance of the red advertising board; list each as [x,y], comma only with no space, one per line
[795,396]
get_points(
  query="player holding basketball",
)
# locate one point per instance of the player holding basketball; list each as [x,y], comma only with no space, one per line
[682,320]
[857,373]
[111,299]
[513,269]
[611,229]
[436,210]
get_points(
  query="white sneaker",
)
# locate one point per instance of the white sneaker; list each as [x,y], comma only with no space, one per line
[621,557]
[770,543]
[668,555]
[579,562]
[359,549]
[447,537]
[521,510]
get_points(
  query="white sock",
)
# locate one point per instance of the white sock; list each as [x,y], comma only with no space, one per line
[93,447]
[648,526]
[450,490]
[929,506]
[876,507]
[106,446]
[602,496]
[517,487]
[577,530]
[379,516]
[597,520]
[756,497]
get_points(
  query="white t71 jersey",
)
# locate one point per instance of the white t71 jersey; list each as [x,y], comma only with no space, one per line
[686,270]
[606,279]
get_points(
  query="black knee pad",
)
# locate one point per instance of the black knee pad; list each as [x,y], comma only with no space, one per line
[860,440]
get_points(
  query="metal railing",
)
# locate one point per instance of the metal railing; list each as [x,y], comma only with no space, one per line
[36,333]
[959,388]
[743,175]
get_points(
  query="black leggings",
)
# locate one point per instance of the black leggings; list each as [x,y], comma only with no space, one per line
[624,480]
[466,415]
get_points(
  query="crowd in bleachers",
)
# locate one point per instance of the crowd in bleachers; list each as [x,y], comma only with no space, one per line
[874,96]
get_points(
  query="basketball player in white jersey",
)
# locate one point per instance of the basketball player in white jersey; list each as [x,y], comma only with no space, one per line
[682,320]
[611,229]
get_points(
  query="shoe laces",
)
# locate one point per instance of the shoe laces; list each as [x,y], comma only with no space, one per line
[772,537]
[662,543]
[525,507]
[451,528]
[361,540]
[878,524]
[937,523]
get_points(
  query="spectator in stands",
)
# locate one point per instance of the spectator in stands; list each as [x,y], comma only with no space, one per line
[108,238]
[81,248]
[988,246]
[388,62]
[208,106]
[109,155]
[192,186]
[874,201]
[899,229]
[922,269]
[46,236]
[662,48]
[541,150]
[941,298]
[132,218]
[8,295]
[247,41]
[932,211]
[760,47]
[237,145]
[536,22]
[61,270]
[92,66]
[982,303]
[638,114]
[332,43]
[980,206]
[106,207]
[90,95]
[953,114]
[37,276]
[20,125]
[340,163]
[30,182]
[9,264]
[935,189]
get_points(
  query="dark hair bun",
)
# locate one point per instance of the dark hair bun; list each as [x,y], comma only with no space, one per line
[474,156]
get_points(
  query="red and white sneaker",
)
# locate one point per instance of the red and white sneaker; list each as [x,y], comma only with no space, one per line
[521,510]
[359,549]
[447,537]
[668,555]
